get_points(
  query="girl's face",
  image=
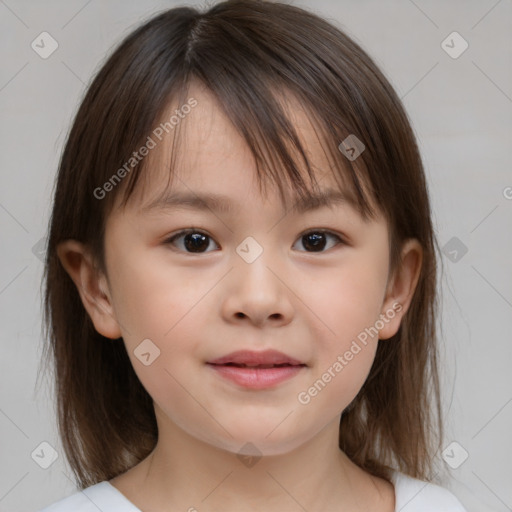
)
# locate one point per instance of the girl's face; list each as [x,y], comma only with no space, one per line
[249,280]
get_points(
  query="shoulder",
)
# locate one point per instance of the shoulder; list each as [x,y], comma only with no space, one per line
[101,496]
[413,495]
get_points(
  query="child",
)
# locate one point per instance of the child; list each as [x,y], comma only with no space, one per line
[288,362]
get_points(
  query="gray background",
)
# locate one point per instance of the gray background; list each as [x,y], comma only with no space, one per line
[461,111]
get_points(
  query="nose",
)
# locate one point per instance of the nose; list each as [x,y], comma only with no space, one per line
[258,293]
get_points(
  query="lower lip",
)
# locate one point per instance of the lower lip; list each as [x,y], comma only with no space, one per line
[256,378]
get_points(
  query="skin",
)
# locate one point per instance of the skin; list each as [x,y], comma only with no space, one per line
[310,305]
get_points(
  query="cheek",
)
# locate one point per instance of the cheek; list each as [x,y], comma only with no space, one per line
[346,302]
[338,374]
[345,299]
[153,299]
[158,303]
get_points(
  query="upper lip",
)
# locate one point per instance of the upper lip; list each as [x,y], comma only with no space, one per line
[250,357]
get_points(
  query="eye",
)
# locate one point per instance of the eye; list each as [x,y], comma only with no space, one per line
[316,239]
[194,241]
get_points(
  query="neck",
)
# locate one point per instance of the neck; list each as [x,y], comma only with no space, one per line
[184,473]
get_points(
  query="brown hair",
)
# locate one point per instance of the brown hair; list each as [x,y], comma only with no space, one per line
[245,52]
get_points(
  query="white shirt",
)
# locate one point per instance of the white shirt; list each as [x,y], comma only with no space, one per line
[411,495]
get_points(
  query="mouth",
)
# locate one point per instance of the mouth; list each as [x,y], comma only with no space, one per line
[256,370]
[252,359]
[258,366]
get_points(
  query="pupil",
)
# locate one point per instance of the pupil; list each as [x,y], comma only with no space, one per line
[195,241]
[316,241]
[199,242]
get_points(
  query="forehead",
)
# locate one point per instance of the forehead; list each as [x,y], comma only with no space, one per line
[211,156]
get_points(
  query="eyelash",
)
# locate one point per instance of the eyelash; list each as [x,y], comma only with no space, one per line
[188,231]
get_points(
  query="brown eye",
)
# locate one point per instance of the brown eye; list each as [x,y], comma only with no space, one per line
[316,241]
[194,241]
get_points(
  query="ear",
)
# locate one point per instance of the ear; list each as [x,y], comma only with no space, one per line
[400,288]
[92,286]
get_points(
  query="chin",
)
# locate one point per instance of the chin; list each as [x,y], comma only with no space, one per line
[258,443]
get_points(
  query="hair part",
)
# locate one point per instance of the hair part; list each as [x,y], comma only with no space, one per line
[249,54]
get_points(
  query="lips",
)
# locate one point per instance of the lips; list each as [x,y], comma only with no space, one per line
[264,359]
[257,370]
[262,366]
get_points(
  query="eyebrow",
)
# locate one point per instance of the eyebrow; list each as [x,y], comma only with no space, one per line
[219,203]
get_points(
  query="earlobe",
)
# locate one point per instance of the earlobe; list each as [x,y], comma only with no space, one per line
[401,287]
[91,285]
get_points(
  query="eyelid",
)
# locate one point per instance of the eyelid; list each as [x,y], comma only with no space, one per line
[342,239]
[186,231]
[326,231]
